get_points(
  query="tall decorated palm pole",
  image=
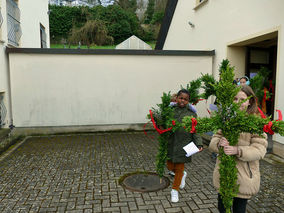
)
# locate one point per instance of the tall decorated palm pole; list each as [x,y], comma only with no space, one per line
[231,121]
[228,118]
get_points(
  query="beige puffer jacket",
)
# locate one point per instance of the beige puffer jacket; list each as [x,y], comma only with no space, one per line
[251,149]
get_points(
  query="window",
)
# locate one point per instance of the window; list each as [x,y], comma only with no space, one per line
[13,23]
[1,18]
[199,3]
[1,22]
[42,36]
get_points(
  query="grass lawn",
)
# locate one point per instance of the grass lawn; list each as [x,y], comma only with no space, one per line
[61,46]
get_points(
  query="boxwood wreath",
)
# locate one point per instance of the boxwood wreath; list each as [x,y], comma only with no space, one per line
[229,118]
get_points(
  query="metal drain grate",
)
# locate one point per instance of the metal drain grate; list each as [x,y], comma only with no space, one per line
[144,182]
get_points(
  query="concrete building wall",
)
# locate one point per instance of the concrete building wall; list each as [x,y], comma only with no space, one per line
[4,74]
[66,90]
[32,14]
[4,84]
[227,26]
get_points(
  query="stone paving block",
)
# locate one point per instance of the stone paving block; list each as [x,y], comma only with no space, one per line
[186,209]
[146,207]
[48,209]
[93,202]
[159,208]
[61,209]
[214,210]
[120,204]
[140,201]
[192,205]
[111,209]
[150,202]
[74,211]
[114,198]
[165,203]
[173,209]
[205,206]
[97,208]
[83,206]
[71,205]
[126,199]
[124,209]
[132,206]
[202,211]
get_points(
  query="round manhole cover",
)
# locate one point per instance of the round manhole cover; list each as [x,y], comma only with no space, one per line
[144,182]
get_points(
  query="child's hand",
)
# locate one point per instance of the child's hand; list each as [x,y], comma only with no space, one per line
[223,142]
[231,150]
[200,149]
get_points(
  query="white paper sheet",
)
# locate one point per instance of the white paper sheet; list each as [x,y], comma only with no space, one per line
[190,149]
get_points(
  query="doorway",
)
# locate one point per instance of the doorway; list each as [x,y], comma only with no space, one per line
[263,55]
[250,55]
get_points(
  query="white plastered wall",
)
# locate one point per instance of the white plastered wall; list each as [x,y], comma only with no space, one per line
[66,90]
[218,24]
[4,74]
[33,13]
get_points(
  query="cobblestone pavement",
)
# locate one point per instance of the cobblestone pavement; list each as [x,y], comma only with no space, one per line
[80,173]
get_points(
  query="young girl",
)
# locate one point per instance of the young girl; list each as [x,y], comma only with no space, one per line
[249,150]
[177,141]
[243,81]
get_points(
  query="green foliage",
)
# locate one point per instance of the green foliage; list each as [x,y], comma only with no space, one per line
[94,32]
[225,89]
[193,89]
[209,85]
[228,113]
[148,32]
[157,17]
[278,126]
[149,11]
[130,5]
[120,24]
[204,124]
[165,115]
[258,82]
[62,19]
[162,154]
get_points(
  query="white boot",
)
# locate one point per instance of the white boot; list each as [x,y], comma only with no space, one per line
[182,184]
[171,173]
[174,196]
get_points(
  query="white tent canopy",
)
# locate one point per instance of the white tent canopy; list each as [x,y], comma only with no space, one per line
[133,43]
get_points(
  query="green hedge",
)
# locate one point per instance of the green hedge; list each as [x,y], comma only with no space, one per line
[120,23]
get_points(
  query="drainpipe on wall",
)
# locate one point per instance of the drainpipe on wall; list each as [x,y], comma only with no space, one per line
[11,126]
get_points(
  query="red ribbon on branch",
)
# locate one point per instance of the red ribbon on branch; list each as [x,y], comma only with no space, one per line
[261,113]
[160,131]
[144,129]
[279,115]
[198,101]
[193,125]
[268,127]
